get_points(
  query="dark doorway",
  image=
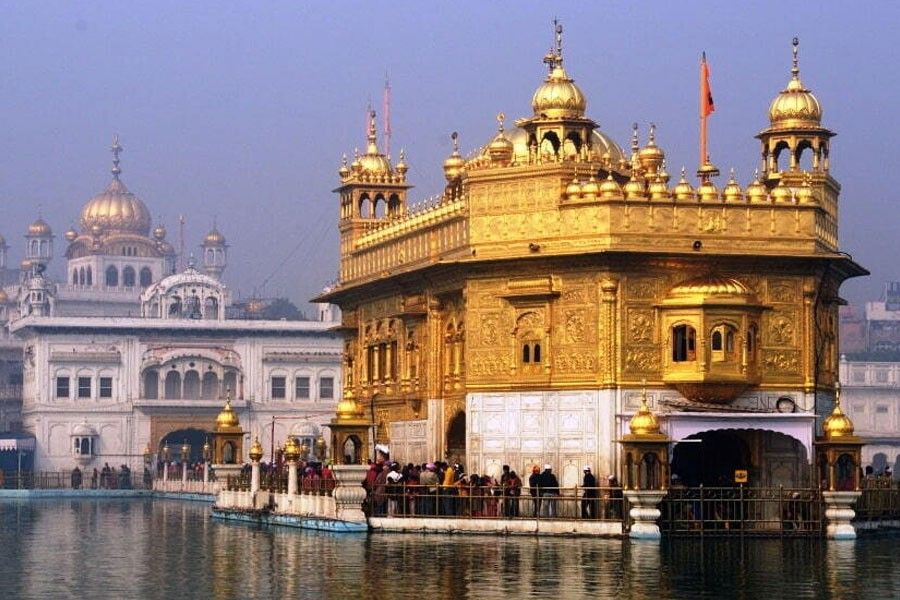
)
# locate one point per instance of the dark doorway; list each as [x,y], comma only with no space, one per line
[456,439]
[176,439]
[711,460]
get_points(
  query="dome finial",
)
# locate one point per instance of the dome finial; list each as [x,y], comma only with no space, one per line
[651,137]
[553,58]
[455,137]
[635,144]
[500,118]
[116,150]
[559,29]
[795,69]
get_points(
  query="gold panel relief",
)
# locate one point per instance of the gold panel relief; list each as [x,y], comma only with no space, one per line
[642,288]
[782,290]
[781,329]
[782,362]
[489,329]
[641,326]
[575,362]
[575,326]
[642,360]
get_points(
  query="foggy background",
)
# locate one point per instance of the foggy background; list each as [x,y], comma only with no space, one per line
[240,112]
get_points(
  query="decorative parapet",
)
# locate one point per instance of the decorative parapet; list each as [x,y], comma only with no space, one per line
[430,216]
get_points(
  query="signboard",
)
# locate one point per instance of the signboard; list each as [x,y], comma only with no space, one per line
[740,476]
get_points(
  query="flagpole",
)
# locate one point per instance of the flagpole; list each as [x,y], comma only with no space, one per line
[703,112]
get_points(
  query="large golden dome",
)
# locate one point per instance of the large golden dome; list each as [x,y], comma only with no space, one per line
[643,422]
[710,285]
[116,209]
[795,106]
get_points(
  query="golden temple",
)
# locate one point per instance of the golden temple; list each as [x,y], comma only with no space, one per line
[513,319]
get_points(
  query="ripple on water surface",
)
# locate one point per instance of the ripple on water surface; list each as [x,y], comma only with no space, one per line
[169,549]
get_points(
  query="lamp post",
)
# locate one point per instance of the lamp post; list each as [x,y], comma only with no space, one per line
[165,458]
[291,454]
[256,454]
[321,448]
[185,459]
[207,456]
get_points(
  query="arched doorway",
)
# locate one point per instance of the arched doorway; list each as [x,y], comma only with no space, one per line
[770,458]
[194,437]
[456,438]
[710,458]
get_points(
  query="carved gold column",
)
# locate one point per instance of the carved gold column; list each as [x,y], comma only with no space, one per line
[809,341]
[609,292]
[376,363]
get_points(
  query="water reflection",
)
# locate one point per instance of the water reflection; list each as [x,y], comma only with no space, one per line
[169,549]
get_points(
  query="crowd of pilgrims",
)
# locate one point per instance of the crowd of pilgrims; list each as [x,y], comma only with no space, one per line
[443,489]
[108,478]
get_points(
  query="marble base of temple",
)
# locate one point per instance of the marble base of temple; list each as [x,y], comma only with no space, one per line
[839,513]
[644,512]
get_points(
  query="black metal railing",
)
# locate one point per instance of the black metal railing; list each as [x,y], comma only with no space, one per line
[879,501]
[744,510]
[479,502]
[57,480]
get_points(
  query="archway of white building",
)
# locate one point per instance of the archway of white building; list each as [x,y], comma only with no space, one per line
[193,436]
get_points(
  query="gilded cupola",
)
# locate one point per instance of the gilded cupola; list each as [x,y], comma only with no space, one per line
[683,189]
[732,191]
[651,156]
[837,424]
[116,209]
[558,97]
[227,419]
[455,163]
[500,149]
[256,450]
[795,106]
[644,422]
[39,228]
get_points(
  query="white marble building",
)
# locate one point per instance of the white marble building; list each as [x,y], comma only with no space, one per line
[871,398]
[101,389]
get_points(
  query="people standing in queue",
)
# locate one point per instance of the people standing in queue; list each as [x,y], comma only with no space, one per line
[590,495]
[549,487]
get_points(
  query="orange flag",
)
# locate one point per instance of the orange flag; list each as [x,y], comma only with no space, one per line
[707,106]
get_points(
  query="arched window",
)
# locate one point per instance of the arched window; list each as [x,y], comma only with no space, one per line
[128,278]
[81,276]
[89,276]
[173,385]
[537,353]
[191,385]
[146,277]
[230,382]
[211,308]
[112,276]
[722,343]
[75,277]
[716,341]
[526,353]
[684,343]
[151,384]
[210,387]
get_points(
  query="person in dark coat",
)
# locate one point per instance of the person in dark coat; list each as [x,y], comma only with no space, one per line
[534,482]
[549,486]
[591,494]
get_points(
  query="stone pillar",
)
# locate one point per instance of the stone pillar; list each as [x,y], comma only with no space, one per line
[645,512]
[184,470]
[839,513]
[292,478]
[254,477]
[349,493]
[205,473]
[165,472]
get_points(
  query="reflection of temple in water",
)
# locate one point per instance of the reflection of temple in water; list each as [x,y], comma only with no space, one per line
[516,318]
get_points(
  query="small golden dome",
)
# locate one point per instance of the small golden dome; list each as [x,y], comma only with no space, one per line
[159,232]
[71,235]
[658,189]
[732,191]
[455,163]
[590,189]
[227,419]
[214,238]
[39,228]
[373,163]
[684,190]
[256,450]
[349,409]
[558,97]
[344,170]
[795,106]
[500,149]
[573,190]
[610,189]
[651,156]
[356,166]
[634,189]
[25,265]
[756,191]
[402,167]
[707,192]
[643,422]
[837,424]
[291,450]
[782,193]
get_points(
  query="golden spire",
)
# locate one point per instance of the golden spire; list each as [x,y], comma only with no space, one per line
[683,189]
[795,68]
[558,96]
[455,163]
[116,150]
[372,136]
[732,191]
[795,105]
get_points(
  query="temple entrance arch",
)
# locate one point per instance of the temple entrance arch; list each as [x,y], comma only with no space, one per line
[456,438]
[193,436]
[770,458]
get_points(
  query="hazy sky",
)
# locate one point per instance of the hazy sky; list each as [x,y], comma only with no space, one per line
[241,111]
